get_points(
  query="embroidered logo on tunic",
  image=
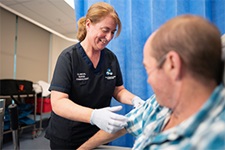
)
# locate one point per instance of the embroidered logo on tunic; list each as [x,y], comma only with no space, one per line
[109,74]
[81,77]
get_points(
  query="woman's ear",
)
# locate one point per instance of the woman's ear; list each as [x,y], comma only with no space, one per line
[88,22]
[174,65]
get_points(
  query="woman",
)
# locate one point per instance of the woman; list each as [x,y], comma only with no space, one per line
[86,77]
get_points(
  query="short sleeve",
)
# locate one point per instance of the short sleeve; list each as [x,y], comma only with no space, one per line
[119,77]
[62,77]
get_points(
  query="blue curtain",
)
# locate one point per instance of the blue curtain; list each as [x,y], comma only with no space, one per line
[139,19]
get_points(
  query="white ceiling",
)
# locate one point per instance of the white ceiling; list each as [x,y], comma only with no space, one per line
[54,14]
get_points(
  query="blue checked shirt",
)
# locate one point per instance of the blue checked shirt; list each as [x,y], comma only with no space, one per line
[204,130]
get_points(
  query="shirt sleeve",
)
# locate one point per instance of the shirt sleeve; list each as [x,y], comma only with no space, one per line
[62,77]
[138,118]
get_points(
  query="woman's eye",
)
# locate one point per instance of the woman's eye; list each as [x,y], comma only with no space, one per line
[105,30]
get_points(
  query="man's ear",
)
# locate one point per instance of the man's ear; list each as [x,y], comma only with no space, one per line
[174,65]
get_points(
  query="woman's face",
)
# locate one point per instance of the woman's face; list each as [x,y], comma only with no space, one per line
[101,33]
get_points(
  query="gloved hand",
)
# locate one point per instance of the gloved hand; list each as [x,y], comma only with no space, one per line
[137,101]
[107,120]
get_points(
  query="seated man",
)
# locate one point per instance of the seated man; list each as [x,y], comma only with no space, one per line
[183,62]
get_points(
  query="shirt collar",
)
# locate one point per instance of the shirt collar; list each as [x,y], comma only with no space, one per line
[213,106]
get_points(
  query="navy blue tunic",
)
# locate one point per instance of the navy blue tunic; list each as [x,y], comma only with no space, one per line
[75,75]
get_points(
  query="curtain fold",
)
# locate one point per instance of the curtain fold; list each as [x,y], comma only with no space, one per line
[139,19]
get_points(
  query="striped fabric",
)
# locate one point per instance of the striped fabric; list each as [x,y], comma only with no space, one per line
[203,131]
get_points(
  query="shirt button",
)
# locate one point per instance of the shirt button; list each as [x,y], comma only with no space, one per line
[173,136]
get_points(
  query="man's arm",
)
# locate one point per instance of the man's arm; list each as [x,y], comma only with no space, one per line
[101,137]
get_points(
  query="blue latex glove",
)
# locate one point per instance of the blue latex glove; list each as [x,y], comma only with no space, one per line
[137,102]
[107,120]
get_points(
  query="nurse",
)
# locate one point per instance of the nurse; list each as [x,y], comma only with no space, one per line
[87,75]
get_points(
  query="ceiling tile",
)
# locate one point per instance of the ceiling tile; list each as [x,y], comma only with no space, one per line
[55,14]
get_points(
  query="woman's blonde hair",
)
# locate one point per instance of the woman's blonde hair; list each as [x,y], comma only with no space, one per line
[96,13]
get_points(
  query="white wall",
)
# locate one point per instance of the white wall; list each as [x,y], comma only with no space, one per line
[7,36]
[57,46]
[36,49]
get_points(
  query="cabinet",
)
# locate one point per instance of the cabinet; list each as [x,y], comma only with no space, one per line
[23,92]
[36,131]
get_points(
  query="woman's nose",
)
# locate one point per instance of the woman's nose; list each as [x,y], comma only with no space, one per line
[109,36]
